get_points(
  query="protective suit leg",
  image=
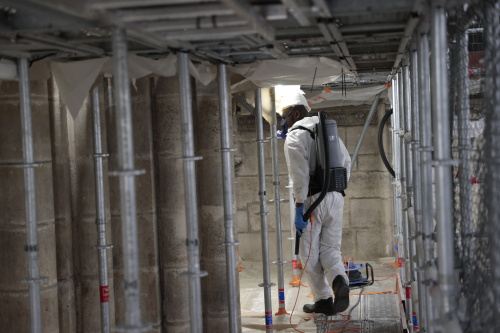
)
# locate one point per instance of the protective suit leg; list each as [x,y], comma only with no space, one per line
[324,238]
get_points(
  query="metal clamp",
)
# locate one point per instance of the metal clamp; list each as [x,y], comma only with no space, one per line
[194,275]
[263,213]
[102,247]
[24,165]
[262,141]
[443,162]
[229,243]
[289,186]
[291,238]
[143,327]
[267,284]
[125,173]
[35,280]
[189,158]
[280,262]
[429,149]
[98,155]
[225,150]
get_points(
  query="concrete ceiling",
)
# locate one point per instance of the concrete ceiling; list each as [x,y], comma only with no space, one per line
[368,36]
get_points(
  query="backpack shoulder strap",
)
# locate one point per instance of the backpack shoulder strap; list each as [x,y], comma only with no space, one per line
[313,136]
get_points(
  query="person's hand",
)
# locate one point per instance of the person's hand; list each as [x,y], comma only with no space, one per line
[299,219]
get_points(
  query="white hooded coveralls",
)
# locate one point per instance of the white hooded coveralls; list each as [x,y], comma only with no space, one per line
[321,240]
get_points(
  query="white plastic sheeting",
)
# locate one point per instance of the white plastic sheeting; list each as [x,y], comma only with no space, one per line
[291,71]
[75,79]
[352,96]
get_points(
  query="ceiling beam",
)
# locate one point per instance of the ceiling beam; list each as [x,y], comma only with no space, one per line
[190,23]
[209,34]
[115,4]
[367,7]
[297,12]
[243,9]
[173,12]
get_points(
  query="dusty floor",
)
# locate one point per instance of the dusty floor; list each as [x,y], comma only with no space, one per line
[375,312]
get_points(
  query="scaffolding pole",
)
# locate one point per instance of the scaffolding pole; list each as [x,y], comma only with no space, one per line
[464,148]
[29,164]
[405,279]
[442,163]
[277,202]
[263,214]
[191,206]
[126,172]
[419,317]
[426,172]
[100,212]
[295,282]
[397,172]
[227,188]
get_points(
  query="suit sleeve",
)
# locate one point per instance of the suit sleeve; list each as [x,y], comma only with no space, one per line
[297,156]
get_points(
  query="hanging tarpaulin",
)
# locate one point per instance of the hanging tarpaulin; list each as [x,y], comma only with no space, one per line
[352,96]
[74,79]
[293,71]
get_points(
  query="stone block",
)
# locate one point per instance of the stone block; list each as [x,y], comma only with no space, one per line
[149,297]
[364,185]
[241,221]
[167,126]
[386,213]
[210,90]
[176,305]
[365,213]
[385,185]
[167,86]
[172,239]
[348,246]
[247,190]
[10,133]
[144,189]
[146,238]
[10,89]
[246,158]
[14,259]
[370,142]
[211,231]
[67,305]
[12,195]
[89,310]
[170,181]
[371,162]
[16,313]
[209,179]
[373,244]
[250,247]
[255,219]
[285,215]
[64,248]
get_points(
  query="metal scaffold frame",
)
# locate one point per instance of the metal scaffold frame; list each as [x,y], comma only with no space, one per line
[227,184]
[127,173]
[32,247]
[263,214]
[100,212]
[188,158]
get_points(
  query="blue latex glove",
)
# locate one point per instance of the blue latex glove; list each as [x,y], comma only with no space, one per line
[299,219]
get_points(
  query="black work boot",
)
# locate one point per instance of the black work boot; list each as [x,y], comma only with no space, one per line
[324,306]
[341,291]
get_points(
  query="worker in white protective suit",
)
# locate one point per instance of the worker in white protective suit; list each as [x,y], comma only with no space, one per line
[321,239]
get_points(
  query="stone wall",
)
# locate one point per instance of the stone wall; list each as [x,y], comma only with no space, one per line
[367,228]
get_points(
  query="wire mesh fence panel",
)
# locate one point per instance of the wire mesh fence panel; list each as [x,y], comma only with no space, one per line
[475,107]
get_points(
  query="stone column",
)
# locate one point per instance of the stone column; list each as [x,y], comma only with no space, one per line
[14,295]
[171,214]
[211,209]
[60,143]
[146,205]
[84,215]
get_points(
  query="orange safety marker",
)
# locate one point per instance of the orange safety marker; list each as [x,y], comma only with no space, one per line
[299,266]
[295,281]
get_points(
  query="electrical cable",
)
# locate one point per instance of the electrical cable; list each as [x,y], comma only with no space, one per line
[381,142]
